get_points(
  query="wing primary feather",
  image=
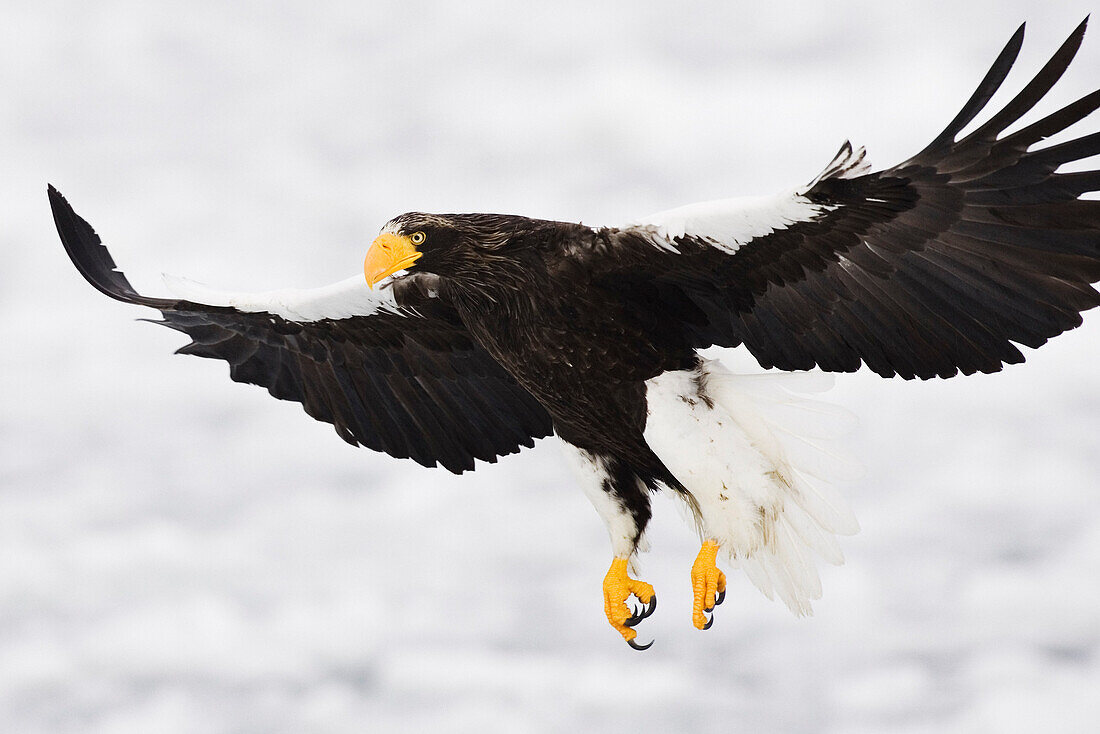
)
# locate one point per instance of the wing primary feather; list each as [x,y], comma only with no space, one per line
[1058,187]
[1042,83]
[981,96]
[92,258]
[1071,150]
[1078,215]
[1052,123]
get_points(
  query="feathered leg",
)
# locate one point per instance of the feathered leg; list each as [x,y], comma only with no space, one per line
[622,502]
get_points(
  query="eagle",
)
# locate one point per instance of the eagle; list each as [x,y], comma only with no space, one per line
[469,336]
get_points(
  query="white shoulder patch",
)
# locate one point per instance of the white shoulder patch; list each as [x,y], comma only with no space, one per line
[729,224]
[340,300]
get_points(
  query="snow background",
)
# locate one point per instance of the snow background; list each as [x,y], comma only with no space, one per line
[179,553]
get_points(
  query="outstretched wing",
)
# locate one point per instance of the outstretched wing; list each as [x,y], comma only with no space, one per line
[409,383]
[932,267]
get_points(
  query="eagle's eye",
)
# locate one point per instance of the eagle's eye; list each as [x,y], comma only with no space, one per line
[418,238]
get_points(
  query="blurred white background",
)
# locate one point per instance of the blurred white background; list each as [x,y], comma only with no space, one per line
[179,553]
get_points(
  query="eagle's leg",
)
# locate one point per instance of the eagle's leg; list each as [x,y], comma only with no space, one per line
[617,588]
[708,585]
[620,499]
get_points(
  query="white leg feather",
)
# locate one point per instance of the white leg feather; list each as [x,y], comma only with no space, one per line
[593,477]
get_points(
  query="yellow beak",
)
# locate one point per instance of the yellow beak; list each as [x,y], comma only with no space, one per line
[388,254]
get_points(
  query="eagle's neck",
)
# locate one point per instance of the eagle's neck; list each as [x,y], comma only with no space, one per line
[498,286]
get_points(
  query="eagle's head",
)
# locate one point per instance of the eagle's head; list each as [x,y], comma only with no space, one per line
[446,245]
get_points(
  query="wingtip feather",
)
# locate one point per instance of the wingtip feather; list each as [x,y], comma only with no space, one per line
[91,257]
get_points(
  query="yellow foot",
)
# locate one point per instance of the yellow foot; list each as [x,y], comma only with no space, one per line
[617,588]
[708,585]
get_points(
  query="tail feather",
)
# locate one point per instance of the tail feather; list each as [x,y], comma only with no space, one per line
[825,505]
[756,571]
[811,418]
[784,571]
[817,457]
[799,437]
[819,539]
[757,458]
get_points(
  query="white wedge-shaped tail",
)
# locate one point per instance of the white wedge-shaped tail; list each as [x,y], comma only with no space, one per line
[758,460]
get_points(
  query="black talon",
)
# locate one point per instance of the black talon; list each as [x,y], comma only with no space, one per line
[650,608]
[709,609]
[721,597]
[709,623]
[639,614]
[636,646]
